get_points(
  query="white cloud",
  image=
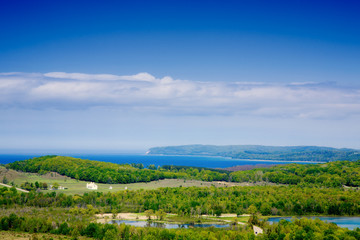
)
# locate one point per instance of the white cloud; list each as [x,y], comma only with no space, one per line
[99,77]
[144,92]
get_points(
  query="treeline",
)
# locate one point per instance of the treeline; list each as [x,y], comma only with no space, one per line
[298,229]
[34,186]
[182,168]
[332,174]
[193,201]
[204,174]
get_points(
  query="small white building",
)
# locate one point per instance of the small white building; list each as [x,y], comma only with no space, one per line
[91,186]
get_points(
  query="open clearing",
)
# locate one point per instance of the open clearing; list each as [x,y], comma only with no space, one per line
[79,187]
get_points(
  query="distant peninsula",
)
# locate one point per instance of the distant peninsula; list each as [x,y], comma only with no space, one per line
[258,152]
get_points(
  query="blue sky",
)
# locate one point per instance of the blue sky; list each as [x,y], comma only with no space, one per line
[128,75]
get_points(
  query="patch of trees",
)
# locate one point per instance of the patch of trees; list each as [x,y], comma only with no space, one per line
[332,174]
[204,174]
[178,168]
[307,229]
[137,165]
[34,186]
[5,180]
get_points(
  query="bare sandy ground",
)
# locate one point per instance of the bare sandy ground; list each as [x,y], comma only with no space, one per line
[103,218]
[106,217]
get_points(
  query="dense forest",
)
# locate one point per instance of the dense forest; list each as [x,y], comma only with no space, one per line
[302,229]
[105,172]
[72,215]
[296,153]
[332,174]
[268,200]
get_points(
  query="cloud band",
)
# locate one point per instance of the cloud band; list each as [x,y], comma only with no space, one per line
[144,92]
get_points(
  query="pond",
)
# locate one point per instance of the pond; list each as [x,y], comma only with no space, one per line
[167,225]
[345,222]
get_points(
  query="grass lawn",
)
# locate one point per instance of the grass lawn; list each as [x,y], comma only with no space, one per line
[79,187]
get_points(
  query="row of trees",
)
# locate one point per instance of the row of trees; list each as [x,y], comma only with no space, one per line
[34,186]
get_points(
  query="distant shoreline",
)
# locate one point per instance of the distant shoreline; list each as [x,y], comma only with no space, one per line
[230,158]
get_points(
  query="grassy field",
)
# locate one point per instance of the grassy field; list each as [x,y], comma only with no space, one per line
[79,187]
[8,235]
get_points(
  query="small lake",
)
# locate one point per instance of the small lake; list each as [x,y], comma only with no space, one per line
[344,222]
[167,225]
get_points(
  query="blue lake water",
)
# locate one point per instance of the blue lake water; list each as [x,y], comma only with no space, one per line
[157,160]
[344,222]
[166,225]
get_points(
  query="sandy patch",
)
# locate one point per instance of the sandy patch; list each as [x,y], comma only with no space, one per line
[104,218]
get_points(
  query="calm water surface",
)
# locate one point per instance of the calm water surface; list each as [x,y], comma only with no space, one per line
[157,160]
[166,225]
[345,222]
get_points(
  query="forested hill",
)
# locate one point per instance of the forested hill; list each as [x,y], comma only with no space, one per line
[334,174]
[295,153]
[105,172]
[88,170]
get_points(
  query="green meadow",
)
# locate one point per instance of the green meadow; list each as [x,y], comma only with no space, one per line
[73,186]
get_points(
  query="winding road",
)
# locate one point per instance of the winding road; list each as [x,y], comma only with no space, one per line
[19,189]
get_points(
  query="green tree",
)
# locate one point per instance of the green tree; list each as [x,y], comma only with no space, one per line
[149,213]
[5,180]
[252,209]
[160,214]
[55,186]
[152,167]
[265,209]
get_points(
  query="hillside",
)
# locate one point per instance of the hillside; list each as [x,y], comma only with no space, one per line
[87,170]
[294,153]
[105,172]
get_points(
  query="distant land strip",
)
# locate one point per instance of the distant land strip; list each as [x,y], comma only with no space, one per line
[258,152]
